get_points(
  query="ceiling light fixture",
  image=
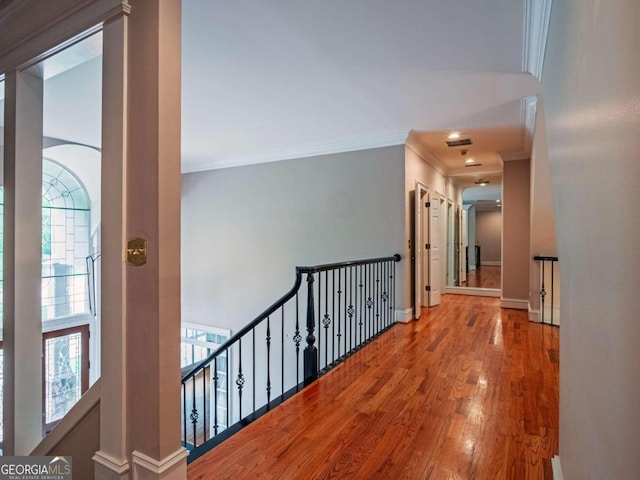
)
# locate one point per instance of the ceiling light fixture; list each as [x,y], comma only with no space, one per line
[498,201]
[482,183]
[454,135]
[469,160]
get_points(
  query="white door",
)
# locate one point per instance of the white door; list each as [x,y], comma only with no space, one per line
[435,252]
[418,248]
[463,252]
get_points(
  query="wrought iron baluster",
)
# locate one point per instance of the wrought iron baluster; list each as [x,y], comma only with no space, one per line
[310,351]
[282,354]
[228,395]
[297,338]
[333,316]
[552,280]
[361,309]
[326,321]
[369,287]
[393,296]
[543,292]
[319,317]
[240,379]
[268,361]
[194,413]
[184,413]
[253,361]
[339,310]
[377,297]
[215,396]
[204,404]
[385,286]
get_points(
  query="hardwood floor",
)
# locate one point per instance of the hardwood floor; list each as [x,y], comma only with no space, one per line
[467,392]
[487,276]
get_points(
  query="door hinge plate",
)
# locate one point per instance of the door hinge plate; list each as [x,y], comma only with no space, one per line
[428,204]
[427,246]
[428,288]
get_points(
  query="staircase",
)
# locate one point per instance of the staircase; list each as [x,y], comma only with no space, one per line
[287,347]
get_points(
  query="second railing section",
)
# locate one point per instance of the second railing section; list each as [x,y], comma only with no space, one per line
[330,312]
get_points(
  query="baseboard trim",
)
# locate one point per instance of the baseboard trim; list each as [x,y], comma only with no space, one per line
[404,316]
[147,467]
[534,315]
[514,303]
[490,263]
[557,468]
[114,465]
[478,292]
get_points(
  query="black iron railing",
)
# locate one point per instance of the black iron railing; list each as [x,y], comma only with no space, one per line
[547,282]
[290,344]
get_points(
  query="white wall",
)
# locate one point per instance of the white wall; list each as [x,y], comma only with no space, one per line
[543,231]
[515,234]
[591,94]
[489,235]
[245,229]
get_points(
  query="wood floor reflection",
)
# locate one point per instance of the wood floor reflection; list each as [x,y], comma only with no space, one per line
[487,276]
[470,391]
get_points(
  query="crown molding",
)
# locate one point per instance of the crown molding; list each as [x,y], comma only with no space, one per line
[363,143]
[414,143]
[527,125]
[536,27]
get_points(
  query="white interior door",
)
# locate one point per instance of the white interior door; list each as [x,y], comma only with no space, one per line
[463,252]
[435,252]
[418,248]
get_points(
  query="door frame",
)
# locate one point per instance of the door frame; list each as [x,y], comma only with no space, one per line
[421,196]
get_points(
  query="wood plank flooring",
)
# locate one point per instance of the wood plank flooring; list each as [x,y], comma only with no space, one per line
[487,276]
[467,392]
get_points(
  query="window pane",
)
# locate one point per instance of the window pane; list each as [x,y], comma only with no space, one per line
[63,375]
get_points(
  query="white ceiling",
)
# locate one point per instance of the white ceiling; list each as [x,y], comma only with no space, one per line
[284,78]
[279,79]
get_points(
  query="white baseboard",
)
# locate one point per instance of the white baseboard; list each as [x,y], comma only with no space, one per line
[514,303]
[108,467]
[490,263]
[479,292]
[557,468]
[173,467]
[534,315]
[404,316]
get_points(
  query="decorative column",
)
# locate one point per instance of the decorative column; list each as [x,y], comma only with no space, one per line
[22,341]
[140,392]
[153,230]
[111,461]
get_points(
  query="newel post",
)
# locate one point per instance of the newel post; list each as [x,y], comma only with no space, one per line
[310,351]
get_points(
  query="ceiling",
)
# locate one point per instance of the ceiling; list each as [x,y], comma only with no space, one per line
[280,79]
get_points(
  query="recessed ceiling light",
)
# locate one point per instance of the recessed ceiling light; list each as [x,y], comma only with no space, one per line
[454,135]
[469,160]
[483,184]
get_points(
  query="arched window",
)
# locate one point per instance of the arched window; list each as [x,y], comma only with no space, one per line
[66,217]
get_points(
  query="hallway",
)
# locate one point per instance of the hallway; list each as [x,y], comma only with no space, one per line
[469,391]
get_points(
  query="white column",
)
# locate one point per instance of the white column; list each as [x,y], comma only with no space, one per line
[153,213]
[140,391]
[22,262]
[111,461]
